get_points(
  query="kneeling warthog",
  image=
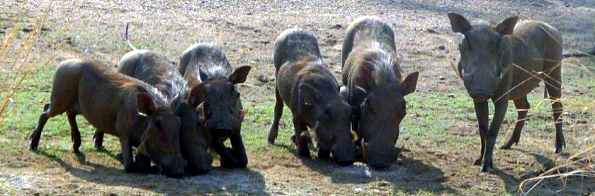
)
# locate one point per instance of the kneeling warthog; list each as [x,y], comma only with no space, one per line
[506,62]
[213,82]
[157,70]
[373,87]
[306,85]
[119,105]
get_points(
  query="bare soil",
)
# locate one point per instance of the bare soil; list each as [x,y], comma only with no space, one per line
[246,31]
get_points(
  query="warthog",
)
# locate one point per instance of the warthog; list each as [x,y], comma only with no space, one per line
[119,105]
[374,89]
[213,82]
[311,91]
[157,70]
[505,62]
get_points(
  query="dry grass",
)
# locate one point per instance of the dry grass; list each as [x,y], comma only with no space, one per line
[17,56]
[439,138]
[580,165]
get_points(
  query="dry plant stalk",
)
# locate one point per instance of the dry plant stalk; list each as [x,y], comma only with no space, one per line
[21,66]
[578,165]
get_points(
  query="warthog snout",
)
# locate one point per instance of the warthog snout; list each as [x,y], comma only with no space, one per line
[379,159]
[344,153]
[172,166]
[480,98]
[480,86]
[219,124]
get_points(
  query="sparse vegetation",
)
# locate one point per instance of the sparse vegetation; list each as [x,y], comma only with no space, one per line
[438,141]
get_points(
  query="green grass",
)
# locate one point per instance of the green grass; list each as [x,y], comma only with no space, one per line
[430,115]
[433,121]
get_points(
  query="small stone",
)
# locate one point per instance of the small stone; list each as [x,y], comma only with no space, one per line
[442,47]
[441,78]
[431,31]
[383,183]
[358,190]
[262,78]
[367,173]
[337,26]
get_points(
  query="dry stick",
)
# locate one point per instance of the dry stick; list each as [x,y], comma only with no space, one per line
[532,76]
[539,73]
[28,45]
[544,175]
[511,89]
[126,38]
[584,67]
[452,65]
[580,54]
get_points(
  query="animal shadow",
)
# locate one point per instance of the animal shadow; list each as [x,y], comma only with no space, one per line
[237,181]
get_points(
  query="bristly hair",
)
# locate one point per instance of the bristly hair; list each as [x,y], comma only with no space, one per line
[214,72]
[382,62]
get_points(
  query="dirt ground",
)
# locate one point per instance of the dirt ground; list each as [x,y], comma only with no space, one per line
[246,30]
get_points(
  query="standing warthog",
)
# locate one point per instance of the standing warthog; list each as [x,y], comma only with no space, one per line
[157,70]
[311,91]
[213,82]
[373,87]
[505,62]
[119,105]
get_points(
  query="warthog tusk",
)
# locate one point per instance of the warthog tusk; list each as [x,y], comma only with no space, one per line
[354,135]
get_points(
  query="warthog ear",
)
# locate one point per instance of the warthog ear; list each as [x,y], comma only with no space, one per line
[410,83]
[344,92]
[198,94]
[240,74]
[145,103]
[354,97]
[458,23]
[203,76]
[307,96]
[506,27]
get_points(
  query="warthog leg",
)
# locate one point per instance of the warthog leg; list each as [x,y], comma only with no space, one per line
[301,140]
[36,135]
[75,134]
[98,138]
[522,106]
[277,116]
[126,155]
[554,90]
[238,150]
[499,114]
[482,111]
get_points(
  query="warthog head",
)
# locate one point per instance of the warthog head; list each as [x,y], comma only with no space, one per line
[161,139]
[377,116]
[486,53]
[222,107]
[194,141]
[332,124]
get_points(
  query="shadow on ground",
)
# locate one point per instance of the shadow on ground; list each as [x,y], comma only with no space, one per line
[554,186]
[407,175]
[242,181]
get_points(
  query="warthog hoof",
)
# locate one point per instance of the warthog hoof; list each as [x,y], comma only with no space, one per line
[560,145]
[487,167]
[509,144]
[477,161]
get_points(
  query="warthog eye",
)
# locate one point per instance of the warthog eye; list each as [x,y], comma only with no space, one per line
[158,124]
[234,92]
